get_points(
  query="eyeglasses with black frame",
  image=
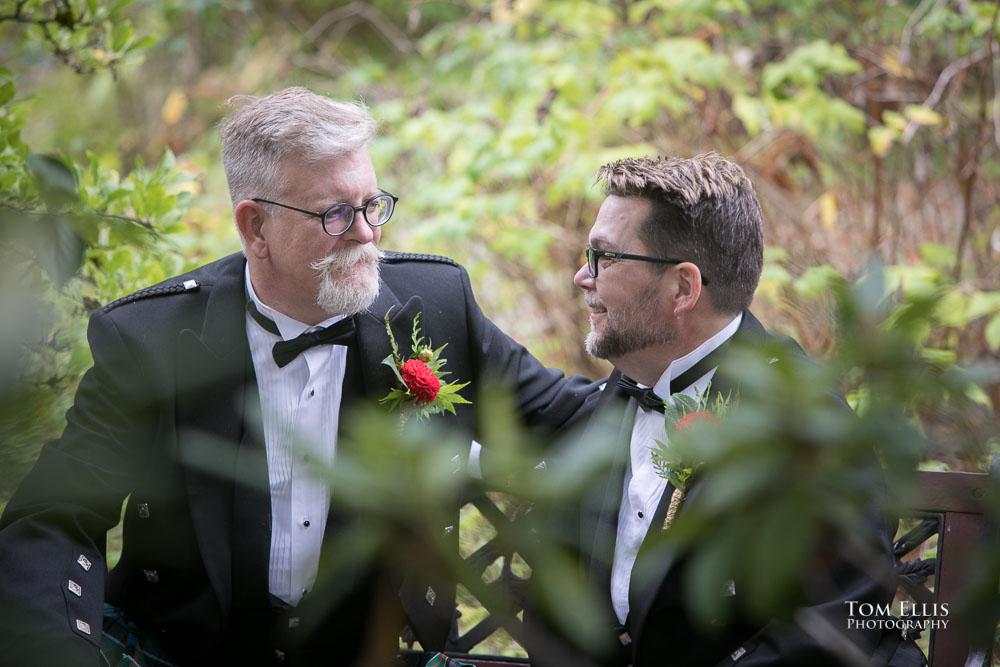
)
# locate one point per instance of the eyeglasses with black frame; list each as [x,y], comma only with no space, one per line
[593,255]
[338,218]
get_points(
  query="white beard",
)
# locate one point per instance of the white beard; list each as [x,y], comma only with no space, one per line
[349,280]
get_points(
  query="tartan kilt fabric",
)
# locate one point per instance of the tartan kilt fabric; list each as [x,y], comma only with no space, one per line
[124,645]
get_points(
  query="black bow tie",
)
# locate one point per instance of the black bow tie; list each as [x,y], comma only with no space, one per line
[646,397]
[649,400]
[285,351]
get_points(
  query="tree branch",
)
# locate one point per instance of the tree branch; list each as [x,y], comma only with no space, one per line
[947,74]
[393,35]
[995,56]
[148,226]
[904,42]
[61,16]
[139,222]
[969,171]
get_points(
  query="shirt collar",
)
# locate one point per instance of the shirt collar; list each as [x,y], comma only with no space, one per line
[289,327]
[681,364]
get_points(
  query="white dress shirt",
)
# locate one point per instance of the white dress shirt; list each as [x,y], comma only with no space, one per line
[643,487]
[300,407]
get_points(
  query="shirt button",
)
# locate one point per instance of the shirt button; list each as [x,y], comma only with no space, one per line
[306,523]
[312,392]
[640,515]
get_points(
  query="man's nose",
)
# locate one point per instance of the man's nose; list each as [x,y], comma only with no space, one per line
[582,278]
[360,232]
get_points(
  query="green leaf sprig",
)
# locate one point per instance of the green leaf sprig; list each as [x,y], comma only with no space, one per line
[401,397]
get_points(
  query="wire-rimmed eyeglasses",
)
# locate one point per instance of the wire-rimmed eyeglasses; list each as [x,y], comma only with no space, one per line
[593,255]
[338,218]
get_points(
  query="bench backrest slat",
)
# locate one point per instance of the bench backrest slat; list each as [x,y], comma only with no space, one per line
[959,498]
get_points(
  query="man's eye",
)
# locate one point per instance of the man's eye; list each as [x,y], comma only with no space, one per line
[337,212]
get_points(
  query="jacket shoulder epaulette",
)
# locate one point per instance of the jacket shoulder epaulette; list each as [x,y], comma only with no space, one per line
[391,256]
[150,292]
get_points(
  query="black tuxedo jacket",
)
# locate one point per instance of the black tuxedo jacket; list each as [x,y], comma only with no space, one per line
[172,390]
[659,629]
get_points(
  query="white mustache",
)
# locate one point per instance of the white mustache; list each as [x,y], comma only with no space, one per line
[341,260]
[593,301]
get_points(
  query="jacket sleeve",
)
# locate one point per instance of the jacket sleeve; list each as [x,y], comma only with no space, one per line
[545,397]
[53,531]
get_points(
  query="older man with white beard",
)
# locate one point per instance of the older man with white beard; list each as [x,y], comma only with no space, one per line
[230,365]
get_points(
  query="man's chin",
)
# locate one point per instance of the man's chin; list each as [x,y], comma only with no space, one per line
[348,296]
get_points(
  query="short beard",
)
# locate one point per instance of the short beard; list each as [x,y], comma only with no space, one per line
[632,329]
[349,280]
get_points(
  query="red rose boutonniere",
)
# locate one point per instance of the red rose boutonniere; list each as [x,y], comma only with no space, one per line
[420,380]
[677,461]
[692,418]
[420,390]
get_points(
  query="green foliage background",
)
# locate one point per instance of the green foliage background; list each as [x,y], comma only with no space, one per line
[870,128]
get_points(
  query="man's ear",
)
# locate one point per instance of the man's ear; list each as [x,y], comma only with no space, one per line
[250,221]
[687,291]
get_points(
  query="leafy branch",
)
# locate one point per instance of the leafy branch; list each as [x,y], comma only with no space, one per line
[87,37]
[138,222]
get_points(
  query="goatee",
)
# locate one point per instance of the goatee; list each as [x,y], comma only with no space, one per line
[349,280]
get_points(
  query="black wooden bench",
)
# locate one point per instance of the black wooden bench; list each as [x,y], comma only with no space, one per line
[949,511]
[952,511]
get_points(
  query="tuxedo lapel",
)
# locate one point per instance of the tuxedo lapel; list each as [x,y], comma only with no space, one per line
[211,394]
[655,559]
[725,382]
[429,611]
[600,508]
[641,596]
[651,567]
[373,342]
[251,532]
[364,374]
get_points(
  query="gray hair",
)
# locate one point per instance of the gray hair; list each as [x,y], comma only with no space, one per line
[291,123]
[705,211]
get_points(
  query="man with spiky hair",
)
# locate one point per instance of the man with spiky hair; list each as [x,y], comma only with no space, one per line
[205,390]
[673,260]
